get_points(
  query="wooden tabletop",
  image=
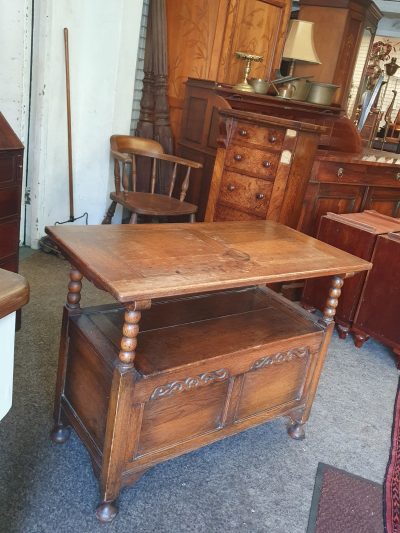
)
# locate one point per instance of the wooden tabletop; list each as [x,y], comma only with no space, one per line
[14,292]
[138,262]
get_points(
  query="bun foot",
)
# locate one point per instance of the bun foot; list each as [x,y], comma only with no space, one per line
[296,431]
[60,434]
[359,339]
[343,331]
[106,512]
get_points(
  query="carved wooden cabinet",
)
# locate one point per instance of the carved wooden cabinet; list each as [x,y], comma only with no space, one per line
[11,161]
[369,305]
[262,168]
[338,30]
[203,37]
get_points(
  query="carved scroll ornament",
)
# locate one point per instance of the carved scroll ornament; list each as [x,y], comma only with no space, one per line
[189,383]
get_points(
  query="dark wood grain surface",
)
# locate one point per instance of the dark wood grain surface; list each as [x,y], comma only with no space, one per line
[158,260]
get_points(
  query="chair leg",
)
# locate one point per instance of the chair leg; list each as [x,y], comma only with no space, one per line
[192,218]
[110,213]
[133,219]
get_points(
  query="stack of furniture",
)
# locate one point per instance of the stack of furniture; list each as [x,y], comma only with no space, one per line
[369,305]
[343,176]
[196,347]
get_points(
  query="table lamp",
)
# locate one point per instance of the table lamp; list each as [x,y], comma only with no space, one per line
[299,45]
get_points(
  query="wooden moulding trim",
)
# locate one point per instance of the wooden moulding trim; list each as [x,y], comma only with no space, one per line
[270,120]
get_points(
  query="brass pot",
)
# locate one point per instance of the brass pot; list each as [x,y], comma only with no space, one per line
[322,93]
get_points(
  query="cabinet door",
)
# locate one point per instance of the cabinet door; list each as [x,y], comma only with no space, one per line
[328,197]
[257,27]
[384,200]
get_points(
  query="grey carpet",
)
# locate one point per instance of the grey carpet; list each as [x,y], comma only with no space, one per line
[258,481]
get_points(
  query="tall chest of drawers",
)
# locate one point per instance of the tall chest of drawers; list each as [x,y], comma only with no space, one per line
[11,162]
[262,167]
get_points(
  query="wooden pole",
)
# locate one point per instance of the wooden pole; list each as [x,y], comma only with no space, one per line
[67,86]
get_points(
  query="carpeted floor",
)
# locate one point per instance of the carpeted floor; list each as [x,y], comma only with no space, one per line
[258,481]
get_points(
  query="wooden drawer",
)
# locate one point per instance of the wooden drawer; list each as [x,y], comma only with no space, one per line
[9,202]
[224,213]
[9,238]
[257,163]
[10,168]
[337,172]
[249,194]
[268,137]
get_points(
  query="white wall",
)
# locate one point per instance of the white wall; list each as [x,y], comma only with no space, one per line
[15,57]
[103,41]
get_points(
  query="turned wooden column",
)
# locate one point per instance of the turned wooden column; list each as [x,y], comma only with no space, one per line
[120,415]
[300,416]
[61,432]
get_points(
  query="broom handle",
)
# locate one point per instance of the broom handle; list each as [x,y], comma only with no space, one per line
[67,85]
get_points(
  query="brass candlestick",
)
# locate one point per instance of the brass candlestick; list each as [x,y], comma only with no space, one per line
[245,85]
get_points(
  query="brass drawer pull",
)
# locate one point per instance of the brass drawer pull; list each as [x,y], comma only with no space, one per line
[266,164]
[273,139]
[231,187]
[237,157]
[260,196]
[243,133]
[340,172]
[397,177]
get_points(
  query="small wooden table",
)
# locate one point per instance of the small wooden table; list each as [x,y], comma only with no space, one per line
[204,365]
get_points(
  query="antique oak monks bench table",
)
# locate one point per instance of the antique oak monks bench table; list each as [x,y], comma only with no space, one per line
[196,349]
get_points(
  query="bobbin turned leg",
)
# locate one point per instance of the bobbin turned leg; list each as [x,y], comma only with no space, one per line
[298,419]
[117,450]
[61,432]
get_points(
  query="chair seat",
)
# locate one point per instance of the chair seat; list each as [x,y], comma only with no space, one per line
[144,203]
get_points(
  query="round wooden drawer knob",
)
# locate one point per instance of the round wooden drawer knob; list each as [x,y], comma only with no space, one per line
[266,164]
[273,138]
[260,196]
[231,187]
[243,133]
[237,157]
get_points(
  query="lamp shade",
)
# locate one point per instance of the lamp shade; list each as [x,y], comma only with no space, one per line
[300,42]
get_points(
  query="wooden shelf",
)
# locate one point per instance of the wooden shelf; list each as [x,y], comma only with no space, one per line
[179,332]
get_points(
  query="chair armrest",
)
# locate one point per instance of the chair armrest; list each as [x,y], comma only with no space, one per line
[121,157]
[179,160]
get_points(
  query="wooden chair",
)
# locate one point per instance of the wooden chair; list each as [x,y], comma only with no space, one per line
[124,149]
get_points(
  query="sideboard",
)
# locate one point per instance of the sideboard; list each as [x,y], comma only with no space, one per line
[196,348]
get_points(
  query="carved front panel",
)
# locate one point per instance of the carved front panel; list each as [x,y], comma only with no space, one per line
[274,381]
[179,412]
